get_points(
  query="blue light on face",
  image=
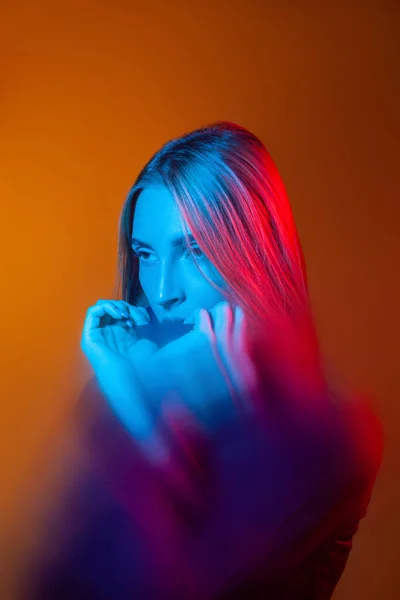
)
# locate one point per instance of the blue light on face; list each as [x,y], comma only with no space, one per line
[169,277]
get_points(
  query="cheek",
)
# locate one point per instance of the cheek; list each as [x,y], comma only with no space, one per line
[201,291]
[211,272]
[145,281]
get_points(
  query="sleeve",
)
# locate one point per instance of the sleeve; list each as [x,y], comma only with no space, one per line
[284,487]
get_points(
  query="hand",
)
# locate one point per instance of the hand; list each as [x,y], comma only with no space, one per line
[108,332]
[114,351]
[209,368]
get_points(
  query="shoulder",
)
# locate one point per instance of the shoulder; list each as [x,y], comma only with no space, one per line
[365,435]
[351,443]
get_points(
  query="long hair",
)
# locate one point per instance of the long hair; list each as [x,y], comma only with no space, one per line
[229,191]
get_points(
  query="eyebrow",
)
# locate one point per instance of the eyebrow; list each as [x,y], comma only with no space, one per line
[178,240]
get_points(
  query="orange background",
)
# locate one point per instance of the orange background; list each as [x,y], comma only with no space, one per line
[90,90]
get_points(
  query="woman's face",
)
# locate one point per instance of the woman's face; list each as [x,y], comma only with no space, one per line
[173,285]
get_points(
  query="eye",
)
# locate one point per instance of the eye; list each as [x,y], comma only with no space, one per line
[196,251]
[141,254]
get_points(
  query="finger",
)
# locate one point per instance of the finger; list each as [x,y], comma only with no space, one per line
[230,328]
[98,311]
[224,329]
[247,372]
[118,306]
[92,321]
[121,307]
[135,315]
[138,314]
[239,330]
[202,322]
[223,325]
[103,301]
[222,349]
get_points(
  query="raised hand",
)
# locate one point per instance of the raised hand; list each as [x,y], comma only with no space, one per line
[209,369]
[115,353]
[207,372]
[108,331]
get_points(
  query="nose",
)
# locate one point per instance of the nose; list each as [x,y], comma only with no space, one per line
[168,292]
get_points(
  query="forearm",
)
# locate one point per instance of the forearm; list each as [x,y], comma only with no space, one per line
[132,404]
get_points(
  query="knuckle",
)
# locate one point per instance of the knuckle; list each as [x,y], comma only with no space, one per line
[220,305]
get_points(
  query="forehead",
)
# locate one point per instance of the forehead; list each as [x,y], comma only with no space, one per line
[156,215]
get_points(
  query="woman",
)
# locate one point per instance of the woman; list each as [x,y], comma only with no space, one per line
[221,463]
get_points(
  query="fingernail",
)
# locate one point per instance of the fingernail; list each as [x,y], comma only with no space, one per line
[129,323]
[125,314]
